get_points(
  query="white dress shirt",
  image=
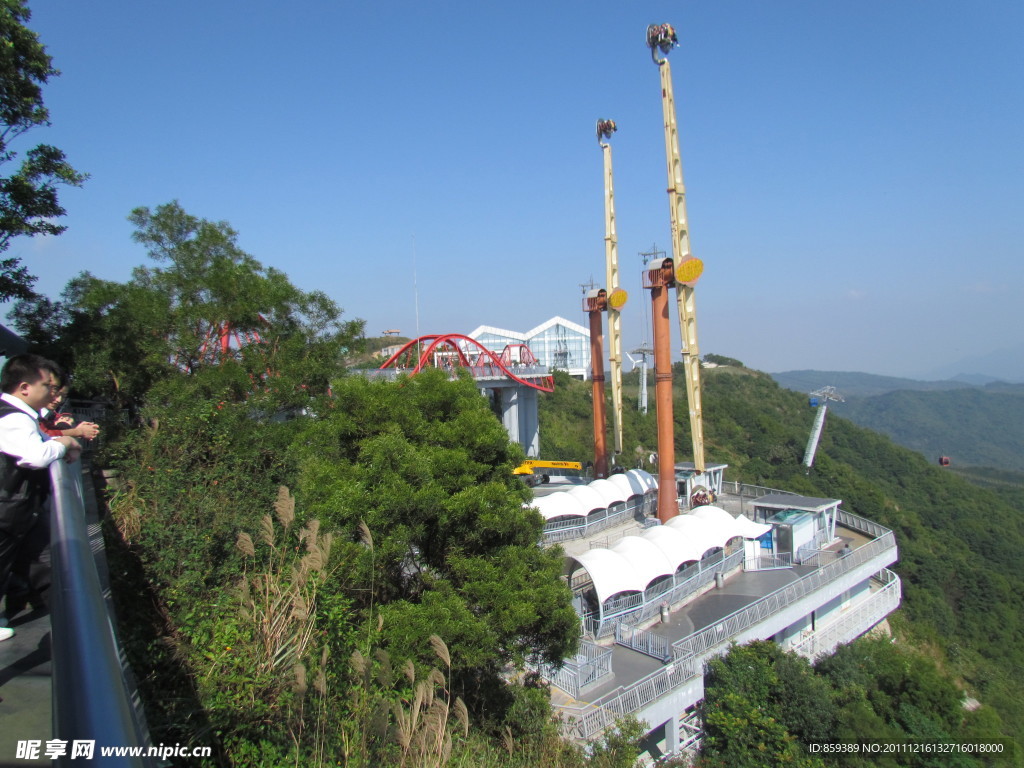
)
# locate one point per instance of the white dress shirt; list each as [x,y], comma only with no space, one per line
[20,437]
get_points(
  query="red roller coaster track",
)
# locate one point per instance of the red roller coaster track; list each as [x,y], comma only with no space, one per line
[453,350]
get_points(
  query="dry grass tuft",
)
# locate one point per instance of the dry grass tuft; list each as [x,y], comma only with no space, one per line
[441,650]
[284,507]
[244,544]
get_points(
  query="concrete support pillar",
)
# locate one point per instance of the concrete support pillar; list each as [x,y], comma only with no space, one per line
[672,739]
[518,408]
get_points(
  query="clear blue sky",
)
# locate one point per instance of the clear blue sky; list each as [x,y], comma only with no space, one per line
[854,170]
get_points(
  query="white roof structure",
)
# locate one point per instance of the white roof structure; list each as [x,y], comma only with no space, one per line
[635,561]
[557,343]
[635,481]
[676,545]
[648,560]
[581,500]
[525,337]
[610,492]
[589,498]
[743,526]
[611,573]
[559,505]
[704,534]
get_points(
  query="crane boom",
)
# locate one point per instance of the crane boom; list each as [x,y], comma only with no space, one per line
[616,296]
[688,269]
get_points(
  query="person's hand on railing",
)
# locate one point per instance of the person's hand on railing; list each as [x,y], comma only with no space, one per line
[74,448]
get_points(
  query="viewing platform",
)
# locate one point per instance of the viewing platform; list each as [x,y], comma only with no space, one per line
[650,661]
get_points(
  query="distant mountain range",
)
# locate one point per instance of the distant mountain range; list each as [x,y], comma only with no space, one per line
[980,426]
[1005,364]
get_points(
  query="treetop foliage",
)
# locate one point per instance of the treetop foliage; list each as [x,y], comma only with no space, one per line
[28,194]
[208,303]
[428,469]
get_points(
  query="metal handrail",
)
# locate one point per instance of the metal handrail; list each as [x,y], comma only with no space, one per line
[91,701]
[855,621]
[691,651]
[702,643]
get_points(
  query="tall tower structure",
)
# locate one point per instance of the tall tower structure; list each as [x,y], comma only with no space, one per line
[688,269]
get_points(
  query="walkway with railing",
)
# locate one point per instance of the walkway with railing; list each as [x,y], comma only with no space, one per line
[854,621]
[689,654]
[635,509]
[76,667]
[710,640]
[590,665]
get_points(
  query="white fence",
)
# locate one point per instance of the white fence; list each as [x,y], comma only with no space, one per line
[853,622]
[691,652]
[589,666]
[707,641]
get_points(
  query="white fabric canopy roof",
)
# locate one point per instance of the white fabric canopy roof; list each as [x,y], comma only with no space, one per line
[677,546]
[609,491]
[648,560]
[559,505]
[635,482]
[635,561]
[705,534]
[611,573]
[588,498]
[743,526]
[581,500]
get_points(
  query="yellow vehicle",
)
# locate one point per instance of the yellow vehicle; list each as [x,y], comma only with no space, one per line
[528,467]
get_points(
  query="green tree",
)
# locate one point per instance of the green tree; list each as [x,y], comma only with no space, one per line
[790,701]
[207,303]
[28,193]
[428,469]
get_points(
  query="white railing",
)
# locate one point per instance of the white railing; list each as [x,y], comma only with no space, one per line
[751,491]
[768,562]
[584,722]
[816,558]
[855,621]
[590,665]
[647,643]
[707,641]
[861,524]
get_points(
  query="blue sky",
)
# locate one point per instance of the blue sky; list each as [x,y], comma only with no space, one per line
[854,170]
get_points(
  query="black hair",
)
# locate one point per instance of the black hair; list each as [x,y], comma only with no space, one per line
[28,368]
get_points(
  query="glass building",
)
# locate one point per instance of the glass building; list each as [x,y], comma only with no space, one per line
[557,343]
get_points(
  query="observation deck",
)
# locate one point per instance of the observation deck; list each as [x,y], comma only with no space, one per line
[646,657]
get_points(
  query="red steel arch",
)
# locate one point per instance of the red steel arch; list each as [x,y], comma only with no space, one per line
[453,350]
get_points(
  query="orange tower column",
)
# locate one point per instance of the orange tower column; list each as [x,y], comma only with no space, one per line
[659,278]
[595,303]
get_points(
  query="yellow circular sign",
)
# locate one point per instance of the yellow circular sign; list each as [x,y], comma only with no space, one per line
[617,300]
[689,270]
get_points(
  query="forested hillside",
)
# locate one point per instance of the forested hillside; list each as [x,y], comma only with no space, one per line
[981,428]
[960,546]
[975,427]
